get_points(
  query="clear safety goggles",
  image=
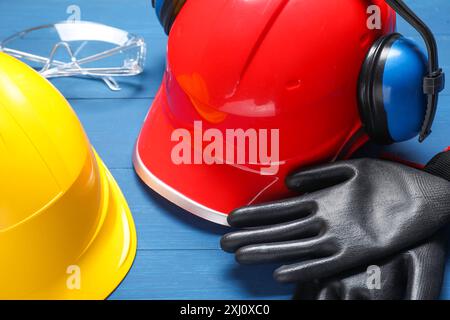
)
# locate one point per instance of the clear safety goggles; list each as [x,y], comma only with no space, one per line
[79,48]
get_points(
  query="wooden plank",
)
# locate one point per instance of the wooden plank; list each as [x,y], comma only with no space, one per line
[197,274]
[113,126]
[138,16]
[135,16]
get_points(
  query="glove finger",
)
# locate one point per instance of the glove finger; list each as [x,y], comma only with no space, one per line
[321,177]
[284,251]
[271,213]
[299,229]
[306,271]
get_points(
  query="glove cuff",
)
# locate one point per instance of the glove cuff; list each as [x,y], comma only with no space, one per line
[440,165]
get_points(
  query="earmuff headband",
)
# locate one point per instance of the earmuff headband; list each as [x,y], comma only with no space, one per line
[434,81]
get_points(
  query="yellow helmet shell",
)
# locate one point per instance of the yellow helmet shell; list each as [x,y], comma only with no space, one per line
[65,228]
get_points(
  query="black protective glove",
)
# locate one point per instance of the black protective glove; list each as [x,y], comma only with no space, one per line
[353,213]
[416,274]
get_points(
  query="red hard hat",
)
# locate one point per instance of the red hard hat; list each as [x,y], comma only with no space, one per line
[289,67]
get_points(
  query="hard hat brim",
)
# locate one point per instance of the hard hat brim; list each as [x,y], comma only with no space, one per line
[108,258]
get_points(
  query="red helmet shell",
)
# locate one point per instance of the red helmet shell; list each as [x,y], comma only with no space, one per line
[287,65]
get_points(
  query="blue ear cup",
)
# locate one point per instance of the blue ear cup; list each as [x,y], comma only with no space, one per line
[392,102]
[167,11]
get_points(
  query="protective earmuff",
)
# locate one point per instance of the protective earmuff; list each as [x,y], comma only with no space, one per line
[392,104]
[167,11]
[397,92]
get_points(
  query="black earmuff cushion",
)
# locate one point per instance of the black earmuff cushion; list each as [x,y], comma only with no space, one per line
[169,12]
[370,90]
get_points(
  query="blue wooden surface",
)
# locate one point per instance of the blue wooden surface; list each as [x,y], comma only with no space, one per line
[178,254]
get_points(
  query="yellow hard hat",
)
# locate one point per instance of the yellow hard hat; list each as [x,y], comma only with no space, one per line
[65,228]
